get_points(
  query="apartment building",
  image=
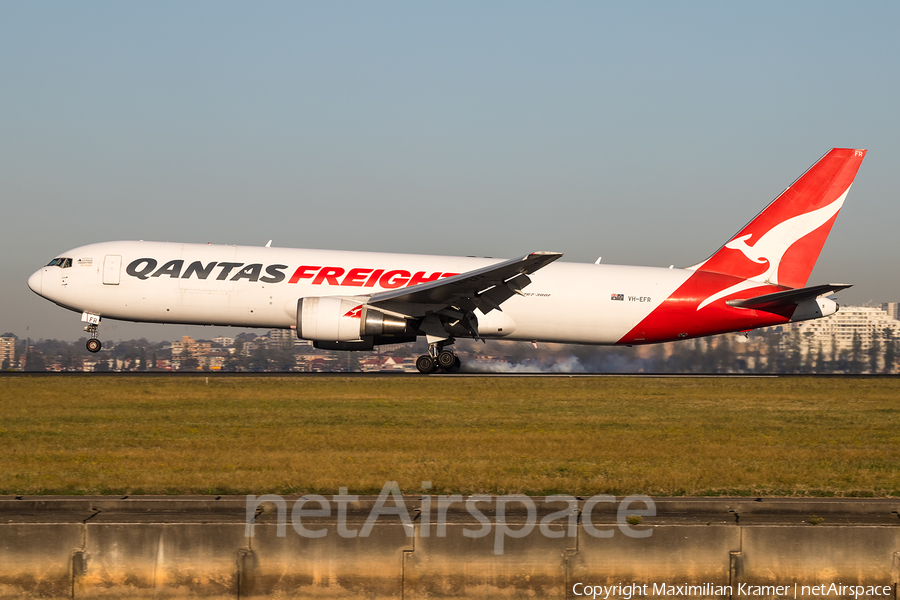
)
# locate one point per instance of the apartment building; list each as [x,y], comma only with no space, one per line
[8,350]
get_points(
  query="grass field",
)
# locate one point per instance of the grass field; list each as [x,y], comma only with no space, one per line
[659,436]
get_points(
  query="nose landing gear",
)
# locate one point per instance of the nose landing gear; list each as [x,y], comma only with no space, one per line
[93,345]
[93,324]
[438,359]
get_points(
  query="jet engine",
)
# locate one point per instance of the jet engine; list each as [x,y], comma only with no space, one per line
[814,308]
[374,322]
[339,319]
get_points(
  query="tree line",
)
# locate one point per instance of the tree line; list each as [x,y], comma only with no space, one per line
[769,350]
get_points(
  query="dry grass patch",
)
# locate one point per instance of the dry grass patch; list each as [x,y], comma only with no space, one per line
[175,435]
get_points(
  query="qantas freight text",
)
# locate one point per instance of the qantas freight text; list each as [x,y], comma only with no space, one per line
[145,268]
[757,278]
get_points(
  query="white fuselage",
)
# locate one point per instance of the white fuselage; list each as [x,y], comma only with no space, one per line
[247,286]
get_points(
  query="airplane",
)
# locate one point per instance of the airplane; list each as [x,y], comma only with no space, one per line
[356,300]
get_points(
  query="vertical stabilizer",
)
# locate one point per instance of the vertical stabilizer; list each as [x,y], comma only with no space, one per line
[780,246]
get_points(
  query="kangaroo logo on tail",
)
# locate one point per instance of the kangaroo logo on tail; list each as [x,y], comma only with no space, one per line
[775,242]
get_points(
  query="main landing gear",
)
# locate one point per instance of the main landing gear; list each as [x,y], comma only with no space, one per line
[438,359]
[93,324]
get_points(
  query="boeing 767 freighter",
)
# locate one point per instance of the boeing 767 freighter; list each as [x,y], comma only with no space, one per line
[357,300]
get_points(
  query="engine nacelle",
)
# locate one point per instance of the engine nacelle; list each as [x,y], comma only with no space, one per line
[494,324]
[814,308]
[340,319]
[328,319]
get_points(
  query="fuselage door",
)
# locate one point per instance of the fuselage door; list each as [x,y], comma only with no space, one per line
[112,265]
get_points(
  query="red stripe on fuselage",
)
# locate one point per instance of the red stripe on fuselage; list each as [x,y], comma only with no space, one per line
[678,318]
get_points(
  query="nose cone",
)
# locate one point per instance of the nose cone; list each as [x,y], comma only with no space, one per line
[34,282]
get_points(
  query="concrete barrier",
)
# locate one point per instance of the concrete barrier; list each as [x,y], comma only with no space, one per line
[168,560]
[164,547]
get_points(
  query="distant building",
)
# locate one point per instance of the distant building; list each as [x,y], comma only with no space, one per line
[394,347]
[8,351]
[215,362]
[288,336]
[892,309]
[387,363]
[840,329]
[280,336]
[191,348]
[223,341]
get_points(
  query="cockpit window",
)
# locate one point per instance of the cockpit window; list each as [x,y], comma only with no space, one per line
[64,263]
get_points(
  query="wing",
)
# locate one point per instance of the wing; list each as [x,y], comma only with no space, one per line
[485,288]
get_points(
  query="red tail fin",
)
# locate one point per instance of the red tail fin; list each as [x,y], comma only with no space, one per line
[782,243]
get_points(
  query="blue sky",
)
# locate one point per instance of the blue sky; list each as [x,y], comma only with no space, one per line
[647,133]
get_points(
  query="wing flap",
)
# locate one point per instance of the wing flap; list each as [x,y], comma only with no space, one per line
[484,288]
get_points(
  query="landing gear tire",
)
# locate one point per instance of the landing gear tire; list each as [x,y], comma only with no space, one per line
[446,359]
[93,324]
[425,364]
[455,367]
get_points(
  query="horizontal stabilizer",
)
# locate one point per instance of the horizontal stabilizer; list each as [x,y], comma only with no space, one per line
[788,297]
